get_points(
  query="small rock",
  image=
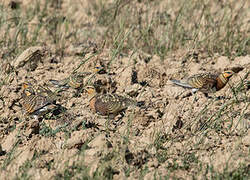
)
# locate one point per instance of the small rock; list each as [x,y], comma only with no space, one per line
[32,55]
[2,152]
[33,128]
[98,142]
[132,90]
[77,139]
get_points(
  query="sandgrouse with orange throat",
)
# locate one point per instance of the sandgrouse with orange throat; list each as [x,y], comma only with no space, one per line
[36,100]
[206,82]
[108,104]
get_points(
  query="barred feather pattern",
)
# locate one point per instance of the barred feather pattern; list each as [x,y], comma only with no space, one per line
[74,81]
[36,100]
[206,82]
[106,104]
[111,104]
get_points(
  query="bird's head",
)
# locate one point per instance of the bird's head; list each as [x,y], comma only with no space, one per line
[99,69]
[27,89]
[228,74]
[90,90]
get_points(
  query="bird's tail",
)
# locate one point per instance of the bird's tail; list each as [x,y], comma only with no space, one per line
[182,84]
[59,84]
[132,102]
[140,103]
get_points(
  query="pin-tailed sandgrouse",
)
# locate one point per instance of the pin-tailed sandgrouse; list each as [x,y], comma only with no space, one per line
[36,100]
[75,80]
[108,104]
[206,82]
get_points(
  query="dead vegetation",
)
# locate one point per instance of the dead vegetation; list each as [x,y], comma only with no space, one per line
[141,45]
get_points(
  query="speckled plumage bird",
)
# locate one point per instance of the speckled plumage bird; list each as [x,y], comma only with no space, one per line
[108,104]
[75,80]
[206,82]
[36,100]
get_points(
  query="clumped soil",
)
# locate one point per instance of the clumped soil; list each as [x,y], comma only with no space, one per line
[175,134]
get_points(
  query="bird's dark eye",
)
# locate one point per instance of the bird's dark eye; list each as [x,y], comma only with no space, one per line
[229,73]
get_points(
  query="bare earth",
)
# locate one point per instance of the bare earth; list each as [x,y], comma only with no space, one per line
[176,134]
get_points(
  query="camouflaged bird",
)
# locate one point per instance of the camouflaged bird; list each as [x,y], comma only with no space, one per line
[36,100]
[108,104]
[75,80]
[206,82]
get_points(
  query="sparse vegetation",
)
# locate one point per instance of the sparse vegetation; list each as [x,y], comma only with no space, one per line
[173,136]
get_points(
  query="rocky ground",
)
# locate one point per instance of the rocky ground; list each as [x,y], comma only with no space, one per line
[175,135]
